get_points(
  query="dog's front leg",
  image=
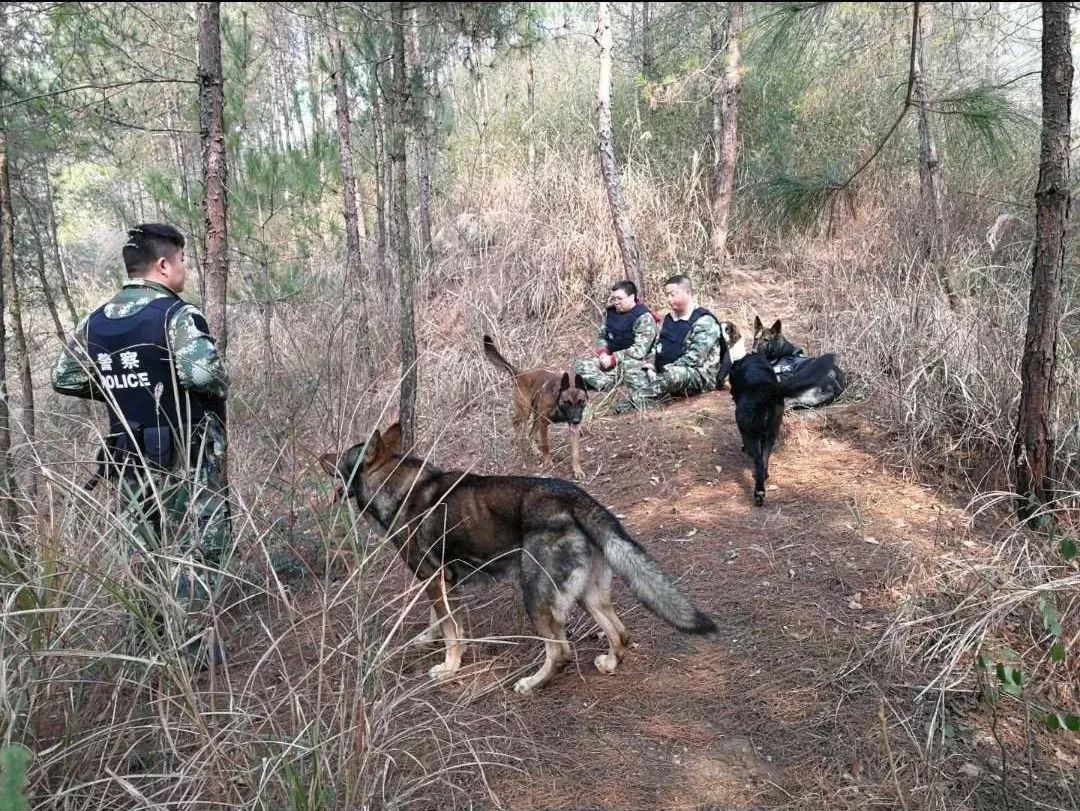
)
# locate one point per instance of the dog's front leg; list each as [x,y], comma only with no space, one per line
[451,631]
[542,424]
[575,452]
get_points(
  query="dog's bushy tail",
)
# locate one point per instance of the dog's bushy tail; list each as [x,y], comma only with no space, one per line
[642,574]
[807,376]
[493,355]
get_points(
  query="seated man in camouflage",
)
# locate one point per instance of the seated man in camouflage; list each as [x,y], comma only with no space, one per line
[625,339]
[689,354]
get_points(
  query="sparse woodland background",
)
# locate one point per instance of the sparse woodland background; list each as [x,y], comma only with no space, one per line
[402,178]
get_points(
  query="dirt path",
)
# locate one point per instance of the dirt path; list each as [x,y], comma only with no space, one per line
[779,710]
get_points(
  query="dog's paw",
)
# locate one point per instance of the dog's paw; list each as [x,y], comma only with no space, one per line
[759,498]
[606,663]
[442,672]
[525,686]
[579,474]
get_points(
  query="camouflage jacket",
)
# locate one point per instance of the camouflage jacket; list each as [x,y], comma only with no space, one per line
[703,347]
[646,331]
[199,368]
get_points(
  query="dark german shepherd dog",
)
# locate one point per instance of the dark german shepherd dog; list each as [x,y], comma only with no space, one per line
[541,398]
[549,533]
[759,406]
[786,358]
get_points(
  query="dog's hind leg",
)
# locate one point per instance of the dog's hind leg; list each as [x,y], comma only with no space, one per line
[451,631]
[556,648]
[598,601]
[429,635]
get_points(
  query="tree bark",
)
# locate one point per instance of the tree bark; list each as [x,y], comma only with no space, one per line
[11,280]
[931,175]
[215,174]
[7,260]
[624,230]
[648,69]
[402,236]
[54,241]
[353,262]
[725,128]
[1034,445]
[378,151]
[39,251]
[423,136]
[530,121]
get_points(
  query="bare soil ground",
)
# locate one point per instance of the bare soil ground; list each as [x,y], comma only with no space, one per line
[795,703]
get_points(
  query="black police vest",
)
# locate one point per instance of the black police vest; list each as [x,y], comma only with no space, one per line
[134,368]
[673,335]
[619,327]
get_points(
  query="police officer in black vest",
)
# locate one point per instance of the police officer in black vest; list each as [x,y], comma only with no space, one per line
[689,353]
[625,339]
[148,355]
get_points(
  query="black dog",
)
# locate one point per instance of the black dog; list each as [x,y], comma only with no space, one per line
[759,406]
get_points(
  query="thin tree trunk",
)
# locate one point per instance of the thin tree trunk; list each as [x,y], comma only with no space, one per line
[11,280]
[215,174]
[39,250]
[1034,445]
[932,181]
[7,260]
[647,63]
[624,230]
[725,129]
[353,261]
[423,136]
[530,120]
[402,236]
[378,116]
[54,241]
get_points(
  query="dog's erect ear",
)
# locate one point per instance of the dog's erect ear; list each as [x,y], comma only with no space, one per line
[392,438]
[579,383]
[329,463]
[776,327]
[758,326]
[374,446]
[564,384]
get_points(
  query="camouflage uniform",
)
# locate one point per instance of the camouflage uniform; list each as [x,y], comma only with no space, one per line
[631,358]
[181,513]
[694,371]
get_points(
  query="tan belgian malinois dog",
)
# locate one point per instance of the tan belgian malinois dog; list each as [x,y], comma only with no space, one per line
[542,397]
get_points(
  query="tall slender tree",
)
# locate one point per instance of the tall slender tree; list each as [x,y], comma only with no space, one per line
[215,173]
[7,260]
[348,173]
[401,235]
[725,125]
[1034,444]
[423,128]
[624,229]
[931,220]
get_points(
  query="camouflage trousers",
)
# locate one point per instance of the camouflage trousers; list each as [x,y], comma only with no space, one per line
[647,386]
[178,530]
[604,379]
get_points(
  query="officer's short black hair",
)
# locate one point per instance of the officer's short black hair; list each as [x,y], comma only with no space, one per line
[681,280]
[626,286]
[149,242]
